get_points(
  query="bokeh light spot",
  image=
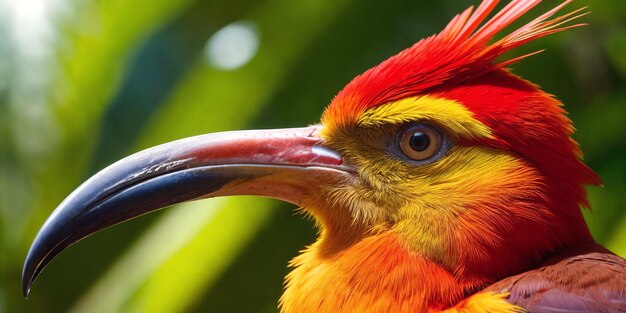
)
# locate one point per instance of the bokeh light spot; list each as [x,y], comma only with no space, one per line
[232,46]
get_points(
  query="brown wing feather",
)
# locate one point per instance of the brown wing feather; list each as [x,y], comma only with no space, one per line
[587,280]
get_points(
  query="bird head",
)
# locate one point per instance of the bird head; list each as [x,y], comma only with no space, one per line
[471,164]
[440,145]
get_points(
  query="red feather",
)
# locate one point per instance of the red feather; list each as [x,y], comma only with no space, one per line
[461,51]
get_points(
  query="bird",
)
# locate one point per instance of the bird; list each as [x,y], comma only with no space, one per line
[439,181]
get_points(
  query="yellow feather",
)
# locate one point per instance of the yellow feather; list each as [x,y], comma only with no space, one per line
[453,115]
[486,303]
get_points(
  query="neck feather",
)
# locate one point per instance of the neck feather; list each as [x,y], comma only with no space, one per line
[375,274]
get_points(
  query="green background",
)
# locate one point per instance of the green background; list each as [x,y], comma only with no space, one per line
[105,78]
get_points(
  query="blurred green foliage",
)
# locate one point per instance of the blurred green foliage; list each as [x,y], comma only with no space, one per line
[97,80]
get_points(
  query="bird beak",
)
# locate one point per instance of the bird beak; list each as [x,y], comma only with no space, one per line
[287,164]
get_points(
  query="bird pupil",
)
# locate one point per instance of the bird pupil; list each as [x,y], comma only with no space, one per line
[420,141]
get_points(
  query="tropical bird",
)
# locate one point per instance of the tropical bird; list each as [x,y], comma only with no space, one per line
[439,180]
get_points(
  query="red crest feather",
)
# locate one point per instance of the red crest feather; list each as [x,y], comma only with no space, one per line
[459,52]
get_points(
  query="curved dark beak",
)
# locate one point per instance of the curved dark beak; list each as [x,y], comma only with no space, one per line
[287,164]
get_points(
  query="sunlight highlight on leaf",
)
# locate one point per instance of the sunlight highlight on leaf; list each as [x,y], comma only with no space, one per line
[182,279]
[144,257]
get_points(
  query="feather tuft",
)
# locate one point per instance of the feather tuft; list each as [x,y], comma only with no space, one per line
[460,52]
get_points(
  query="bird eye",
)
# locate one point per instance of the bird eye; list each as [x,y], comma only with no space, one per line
[420,141]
